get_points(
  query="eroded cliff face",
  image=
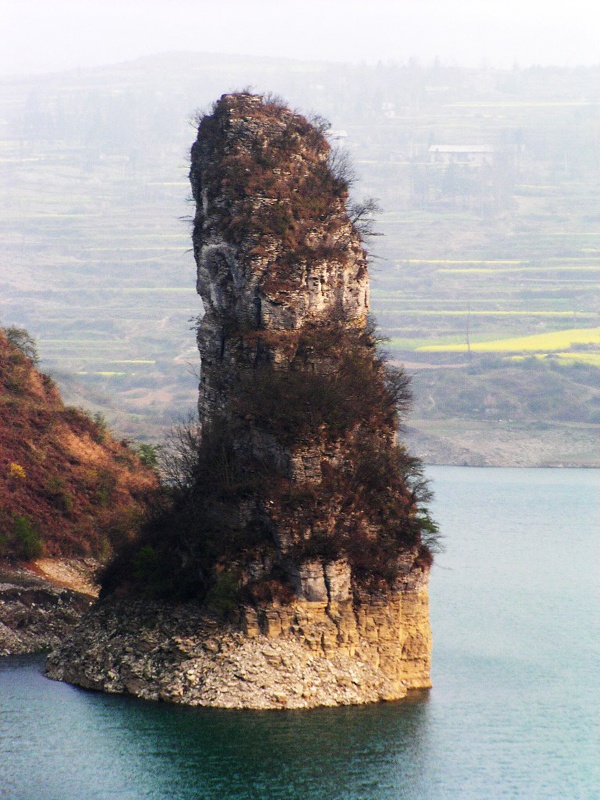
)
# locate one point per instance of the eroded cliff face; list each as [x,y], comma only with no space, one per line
[273,243]
[302,524]
[289,362]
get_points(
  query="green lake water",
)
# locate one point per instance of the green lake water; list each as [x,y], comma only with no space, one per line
[514,710]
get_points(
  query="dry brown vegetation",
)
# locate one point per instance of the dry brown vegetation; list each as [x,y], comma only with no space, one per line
[275,204]
[297,458]
[368,505]
[67,487]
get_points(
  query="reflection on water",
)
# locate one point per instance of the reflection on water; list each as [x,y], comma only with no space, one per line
[78,744]
[515,607]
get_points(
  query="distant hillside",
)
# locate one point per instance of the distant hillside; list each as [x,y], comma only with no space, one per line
[497,389]
[489,182]
[67,487]
[493,411]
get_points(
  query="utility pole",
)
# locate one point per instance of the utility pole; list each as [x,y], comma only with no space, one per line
[469,330]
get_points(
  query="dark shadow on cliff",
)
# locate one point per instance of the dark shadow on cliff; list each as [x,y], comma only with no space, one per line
[192,545]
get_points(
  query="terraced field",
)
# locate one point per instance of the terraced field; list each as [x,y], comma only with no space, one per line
[552,343]
[94,228]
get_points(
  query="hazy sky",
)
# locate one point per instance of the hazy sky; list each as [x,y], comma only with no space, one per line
[48,35]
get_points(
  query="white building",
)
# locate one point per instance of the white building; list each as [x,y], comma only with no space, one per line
[473,155]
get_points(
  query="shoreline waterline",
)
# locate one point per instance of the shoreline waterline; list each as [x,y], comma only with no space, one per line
[513,712]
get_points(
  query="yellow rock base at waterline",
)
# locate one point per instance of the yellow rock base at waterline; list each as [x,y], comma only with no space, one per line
[304,655]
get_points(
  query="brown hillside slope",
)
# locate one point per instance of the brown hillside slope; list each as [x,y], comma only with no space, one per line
[66,486]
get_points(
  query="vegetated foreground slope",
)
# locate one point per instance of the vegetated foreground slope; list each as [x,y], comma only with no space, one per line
[67,487]
[489,182]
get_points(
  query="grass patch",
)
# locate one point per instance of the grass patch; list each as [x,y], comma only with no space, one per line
[592,359]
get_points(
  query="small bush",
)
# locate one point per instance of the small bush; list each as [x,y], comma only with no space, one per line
[101,428]
[146,565]
[79,419]
[59,496]
[179,456]
[224,595]
[20,539]
[104,486]
[148,454]
[16,472]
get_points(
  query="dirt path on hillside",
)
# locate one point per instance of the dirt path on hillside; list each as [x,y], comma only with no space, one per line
[78,574]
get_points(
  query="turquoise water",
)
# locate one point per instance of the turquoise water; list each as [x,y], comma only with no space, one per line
[515,607]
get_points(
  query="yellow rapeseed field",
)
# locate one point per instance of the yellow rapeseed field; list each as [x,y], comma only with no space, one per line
[593,359]
[583,358]
[553,342]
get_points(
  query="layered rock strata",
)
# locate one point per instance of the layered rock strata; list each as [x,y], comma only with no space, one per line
[275,248]
[302,655]
[301,524]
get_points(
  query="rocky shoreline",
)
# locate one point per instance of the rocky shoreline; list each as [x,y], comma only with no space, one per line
[302,656]
[477,443]
[35,613]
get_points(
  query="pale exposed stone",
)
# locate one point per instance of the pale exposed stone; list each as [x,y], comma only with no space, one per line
[390,654]
[308,580]
[338,581]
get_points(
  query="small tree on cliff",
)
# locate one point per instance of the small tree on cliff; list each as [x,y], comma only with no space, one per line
[22,339]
